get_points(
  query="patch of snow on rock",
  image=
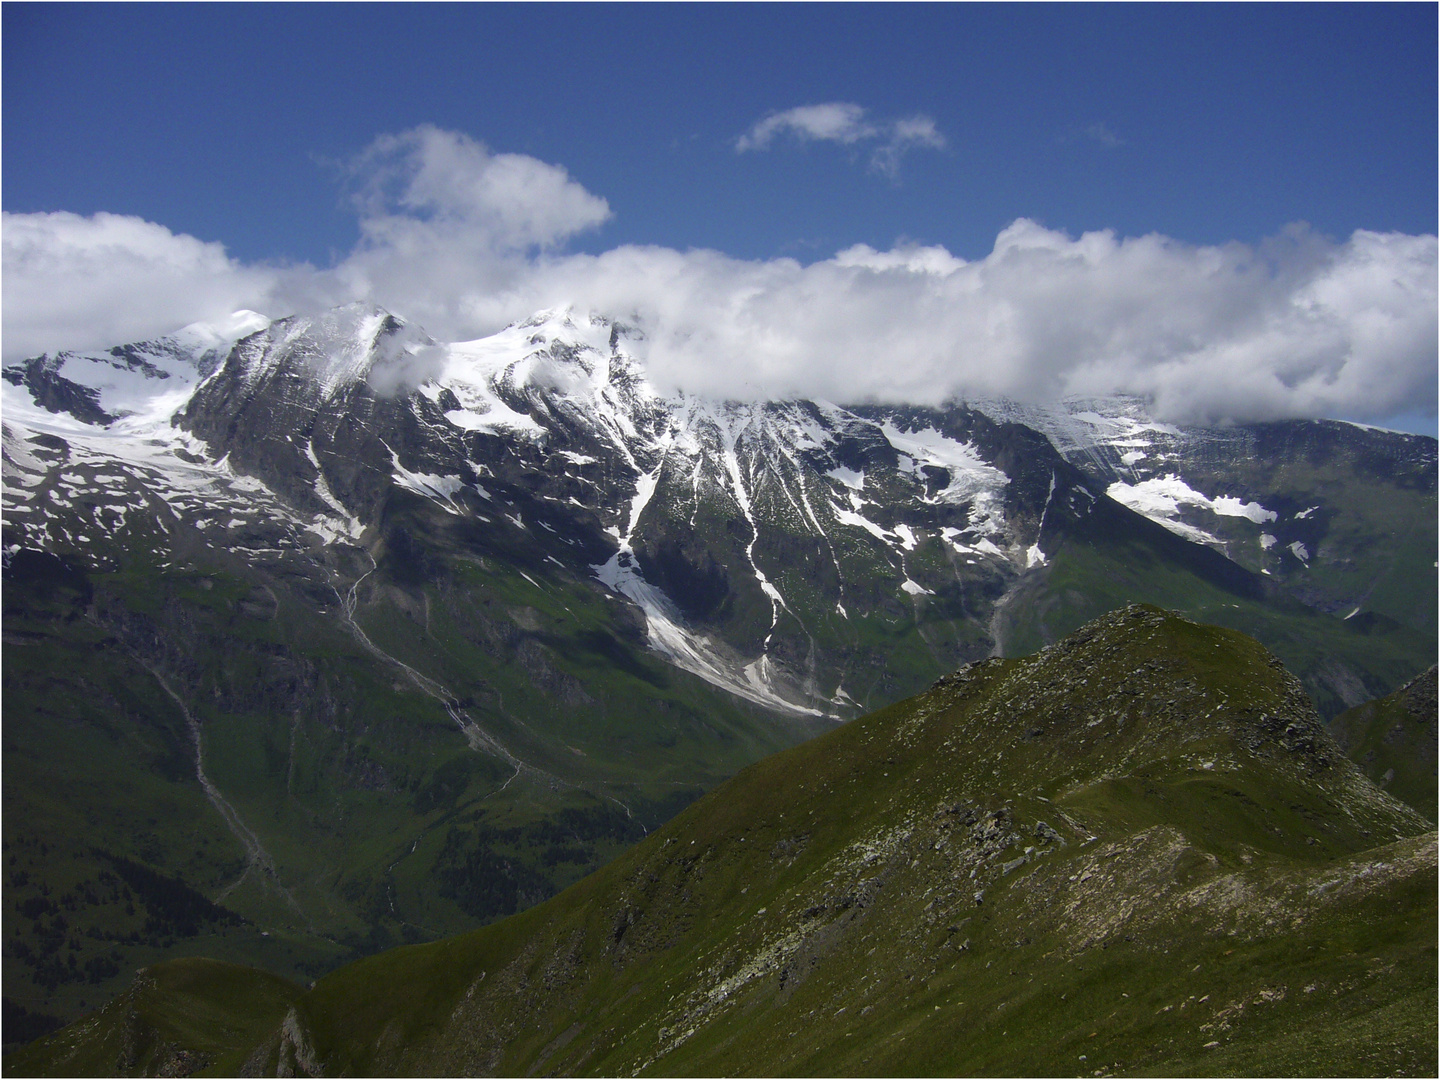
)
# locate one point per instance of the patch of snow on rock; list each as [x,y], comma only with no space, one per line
[970,474]
[1162,499]
[849,477]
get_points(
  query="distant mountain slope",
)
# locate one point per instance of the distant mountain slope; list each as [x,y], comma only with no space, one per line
[1103,561]
[1137,851]
[369,639]
[1343,515]
[780,551]
[1394,741]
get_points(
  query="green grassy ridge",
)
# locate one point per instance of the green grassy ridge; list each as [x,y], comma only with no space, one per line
[829,881]
[1393,739]
[177,1018]
[1094,568]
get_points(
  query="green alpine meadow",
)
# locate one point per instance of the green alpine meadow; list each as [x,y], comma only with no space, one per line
[1137,851]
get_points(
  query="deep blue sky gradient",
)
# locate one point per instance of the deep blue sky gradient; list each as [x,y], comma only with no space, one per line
[229,121]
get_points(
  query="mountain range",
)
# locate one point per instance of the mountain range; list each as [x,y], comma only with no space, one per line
[323,636]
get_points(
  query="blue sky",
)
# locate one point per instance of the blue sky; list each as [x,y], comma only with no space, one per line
[1210,126]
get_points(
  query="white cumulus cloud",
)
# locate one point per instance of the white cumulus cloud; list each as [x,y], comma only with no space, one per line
[73,282]
[445,224]
[834,121]
[463,241]
[447,181]
[1304,328]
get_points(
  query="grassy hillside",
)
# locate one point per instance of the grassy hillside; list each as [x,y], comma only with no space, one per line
[1393,740]
[1110,557]
[1136,852]
[177,1018]
[357,814]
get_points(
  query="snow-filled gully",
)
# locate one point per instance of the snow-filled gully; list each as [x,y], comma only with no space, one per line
[663,622]
[814,521]
[728,439]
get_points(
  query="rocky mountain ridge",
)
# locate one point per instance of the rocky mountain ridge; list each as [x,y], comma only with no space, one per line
[378,638]
[747,535]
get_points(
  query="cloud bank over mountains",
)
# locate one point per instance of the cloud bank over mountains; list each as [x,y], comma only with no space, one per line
[463,241]
[78,282]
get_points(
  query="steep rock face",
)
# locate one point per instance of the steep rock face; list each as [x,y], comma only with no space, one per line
[52,391]
[749,535]
[780,551]
[292,404]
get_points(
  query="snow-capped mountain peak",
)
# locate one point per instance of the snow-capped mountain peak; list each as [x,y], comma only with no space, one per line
[747,534]
[553,357]
[138,385]
[335,350]
[216,338]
